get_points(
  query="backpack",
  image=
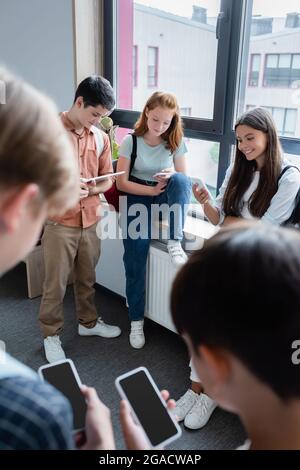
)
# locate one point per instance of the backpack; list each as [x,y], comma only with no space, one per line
[294,218]
[99,140]
[112,195]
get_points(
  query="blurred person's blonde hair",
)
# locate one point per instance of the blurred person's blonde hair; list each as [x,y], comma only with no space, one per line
[34,146]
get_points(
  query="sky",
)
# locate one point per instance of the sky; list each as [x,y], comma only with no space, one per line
[185,7]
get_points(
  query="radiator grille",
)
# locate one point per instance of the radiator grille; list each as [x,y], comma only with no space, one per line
[161,273]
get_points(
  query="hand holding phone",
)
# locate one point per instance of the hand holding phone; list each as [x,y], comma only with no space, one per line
[148,408]
[102,177]
[64,376]
[200,185]
[164,174]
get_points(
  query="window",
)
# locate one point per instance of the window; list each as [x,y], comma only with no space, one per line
[293,159]
[198,45]
[186,111]
[278,86]
[152,72]
[135,66]
[285,120]
[169,37]
[205,167]
[281,70]
[254,70]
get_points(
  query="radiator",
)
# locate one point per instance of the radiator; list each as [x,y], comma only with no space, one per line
[160,275]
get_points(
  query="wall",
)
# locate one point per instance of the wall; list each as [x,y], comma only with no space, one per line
[88,38]
[36,42]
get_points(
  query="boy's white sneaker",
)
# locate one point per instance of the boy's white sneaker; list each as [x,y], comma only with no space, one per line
[184,404]
[53,349]
[176,253]
[136,336]
[200,413]
[100,329]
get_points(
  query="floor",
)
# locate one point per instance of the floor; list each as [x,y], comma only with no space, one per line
[99,361]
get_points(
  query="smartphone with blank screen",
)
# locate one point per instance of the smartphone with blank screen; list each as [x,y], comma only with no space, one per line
[200,183]
[148,407]
[64,376]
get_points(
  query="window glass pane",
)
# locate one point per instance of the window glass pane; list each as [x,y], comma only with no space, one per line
[184,35]
[269,109]
[275,36]
[284,61]
[278,115]
[186,111]
[272,60]
[152,66]
[290,122]
[294,159]
[202,161]
[296,61]
[151,55]
[256,63]
[254,74]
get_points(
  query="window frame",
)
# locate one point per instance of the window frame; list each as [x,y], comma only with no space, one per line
[135,60]
[156,63]
[195,126]
[282,131]
[251,70]
[231,77]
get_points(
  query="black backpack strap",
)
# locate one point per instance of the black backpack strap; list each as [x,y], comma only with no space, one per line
[286,168]
[133,153]
[295,215]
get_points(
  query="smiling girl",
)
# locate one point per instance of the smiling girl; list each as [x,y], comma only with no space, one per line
[157,178]
[252,188]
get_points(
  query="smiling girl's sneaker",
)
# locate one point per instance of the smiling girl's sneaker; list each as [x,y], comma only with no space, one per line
[137,337]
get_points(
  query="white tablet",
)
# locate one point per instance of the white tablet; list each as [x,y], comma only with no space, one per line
[102,177]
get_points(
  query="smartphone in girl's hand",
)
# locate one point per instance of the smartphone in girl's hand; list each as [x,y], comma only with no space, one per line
[201,185]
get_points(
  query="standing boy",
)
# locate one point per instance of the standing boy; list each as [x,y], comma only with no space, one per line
[37,178]
[70,242]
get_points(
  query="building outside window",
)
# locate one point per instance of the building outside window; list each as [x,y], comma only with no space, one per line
[152,71]
[179,51]
[278,47]
[285,120]
[186,111]
[282,70]
[254,69]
